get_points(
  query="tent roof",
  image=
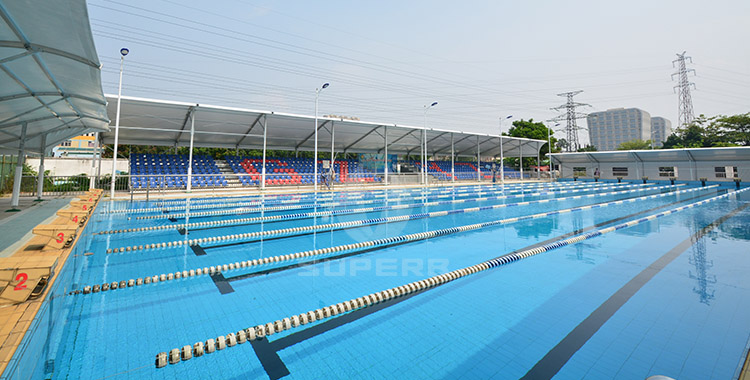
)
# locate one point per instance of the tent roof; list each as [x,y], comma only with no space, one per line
[656,155]
[167,123]
[49,74]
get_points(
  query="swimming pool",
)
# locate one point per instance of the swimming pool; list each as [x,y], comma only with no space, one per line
[664,292]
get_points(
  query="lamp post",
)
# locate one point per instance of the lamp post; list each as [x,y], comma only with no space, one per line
[315,155]
[424,143]
[502,154]
[123,53]
[549,147]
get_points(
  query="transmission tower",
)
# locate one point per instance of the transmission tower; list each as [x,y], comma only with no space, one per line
[570,116]
[685,113]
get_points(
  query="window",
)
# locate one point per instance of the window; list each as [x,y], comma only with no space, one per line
[620,172]
[66,143]
[726,172]
[667,171]
[579,171]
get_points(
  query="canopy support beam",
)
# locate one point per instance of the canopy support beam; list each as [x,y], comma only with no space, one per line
[19,170]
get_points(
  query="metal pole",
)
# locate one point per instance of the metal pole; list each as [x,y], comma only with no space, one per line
[502,154]
[332,160]
[385,159]
[117,130]
[520,159]
[479,163]
[100,148]
[190,153]
[40,180]
[315,155]
[549,150]
[453,164]
[263,169]
[92,182]
[421,148]
[538,172]
[19,170]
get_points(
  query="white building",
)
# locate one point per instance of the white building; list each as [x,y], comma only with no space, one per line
[608,129]
[661,128]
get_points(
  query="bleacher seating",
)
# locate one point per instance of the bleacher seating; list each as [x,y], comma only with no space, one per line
[170,171]
[441,170]
[295,171]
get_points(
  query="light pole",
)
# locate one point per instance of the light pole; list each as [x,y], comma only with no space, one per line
[549,147]
[315,155]
[123,53]
[424,143]
[502,154]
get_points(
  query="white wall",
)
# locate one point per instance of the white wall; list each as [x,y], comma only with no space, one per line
[69,166]
[686,171]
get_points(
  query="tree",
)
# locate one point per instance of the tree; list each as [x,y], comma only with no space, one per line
[635,145]
[716,131]
[587,148]
[531,130]
[736,128]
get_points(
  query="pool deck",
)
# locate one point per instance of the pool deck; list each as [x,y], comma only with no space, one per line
[15,319]
[20,223]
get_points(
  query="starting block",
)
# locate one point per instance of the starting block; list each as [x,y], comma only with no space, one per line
[74,216]
[82,205]
[24,278]
[60,235]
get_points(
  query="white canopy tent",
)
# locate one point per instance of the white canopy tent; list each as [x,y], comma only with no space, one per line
[687,164]
[177,124]
[50,83]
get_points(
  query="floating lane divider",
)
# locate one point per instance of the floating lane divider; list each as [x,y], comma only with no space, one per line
[245,221]
[307,200]
[246,210]
[342,225]
[257,332]
[345,194]
[209,270]
[308,196]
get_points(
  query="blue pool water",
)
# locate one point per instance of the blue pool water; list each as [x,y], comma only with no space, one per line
[667,296]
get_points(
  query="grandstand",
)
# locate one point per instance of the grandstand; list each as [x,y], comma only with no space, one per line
[176,124]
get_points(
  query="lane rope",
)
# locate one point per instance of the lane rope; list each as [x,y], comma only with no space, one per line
[259,331]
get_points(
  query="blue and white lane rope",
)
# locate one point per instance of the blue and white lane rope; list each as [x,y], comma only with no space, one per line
[305,215]
[270,199]
[343,248]
[347,194]
[254,210]
[363,222]
[255,202]
[255,332]
[335,195]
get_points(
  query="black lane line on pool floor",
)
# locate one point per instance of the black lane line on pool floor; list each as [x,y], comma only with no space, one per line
[298,265]
[559,355]
[198,250]
[341,228]
[267,352]
[226,282]
[613,221]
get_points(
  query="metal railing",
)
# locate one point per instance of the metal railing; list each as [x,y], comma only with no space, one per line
[53,185]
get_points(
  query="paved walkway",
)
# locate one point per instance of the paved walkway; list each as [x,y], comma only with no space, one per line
[15,227]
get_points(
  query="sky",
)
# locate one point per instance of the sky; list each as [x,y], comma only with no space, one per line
[385,60]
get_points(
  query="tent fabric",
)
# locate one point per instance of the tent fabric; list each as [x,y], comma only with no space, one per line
[657,155]
[50,78]
[167,123]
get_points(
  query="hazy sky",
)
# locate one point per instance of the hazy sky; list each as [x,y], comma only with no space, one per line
[386,59]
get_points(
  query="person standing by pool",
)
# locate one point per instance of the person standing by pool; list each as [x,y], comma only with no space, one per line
[596,172]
